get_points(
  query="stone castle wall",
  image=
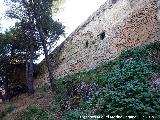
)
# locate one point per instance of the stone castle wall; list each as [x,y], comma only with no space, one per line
[116,26]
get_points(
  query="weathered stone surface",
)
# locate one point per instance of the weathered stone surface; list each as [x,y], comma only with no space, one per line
[116,26]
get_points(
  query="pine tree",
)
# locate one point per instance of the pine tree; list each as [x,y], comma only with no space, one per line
[43,30]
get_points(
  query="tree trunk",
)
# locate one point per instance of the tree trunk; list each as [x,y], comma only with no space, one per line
[48,62]
[31,57]
[1,96]
[30,70]
[29,74]
[27,66]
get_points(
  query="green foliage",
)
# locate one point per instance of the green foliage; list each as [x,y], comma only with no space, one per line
[63,88]
[4,46]
[45,88]
[127,91]
[73,115]
[36,113]
[126,88]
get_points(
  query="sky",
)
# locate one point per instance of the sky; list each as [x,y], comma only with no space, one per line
[74,13]
[77,11]
[5,23]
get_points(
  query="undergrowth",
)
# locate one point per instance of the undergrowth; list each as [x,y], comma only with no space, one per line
[44,88]
[125,88]
[9,108]
[36,113]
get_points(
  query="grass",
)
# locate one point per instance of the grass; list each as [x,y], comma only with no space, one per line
[43,108]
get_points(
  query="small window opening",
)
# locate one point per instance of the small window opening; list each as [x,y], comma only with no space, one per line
[86,45]
[102,35]
[93,42]
[63,59]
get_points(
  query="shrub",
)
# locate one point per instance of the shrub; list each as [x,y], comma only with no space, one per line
[72,115]
[126,89]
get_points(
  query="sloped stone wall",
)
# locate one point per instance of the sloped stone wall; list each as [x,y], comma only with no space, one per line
[116,26]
